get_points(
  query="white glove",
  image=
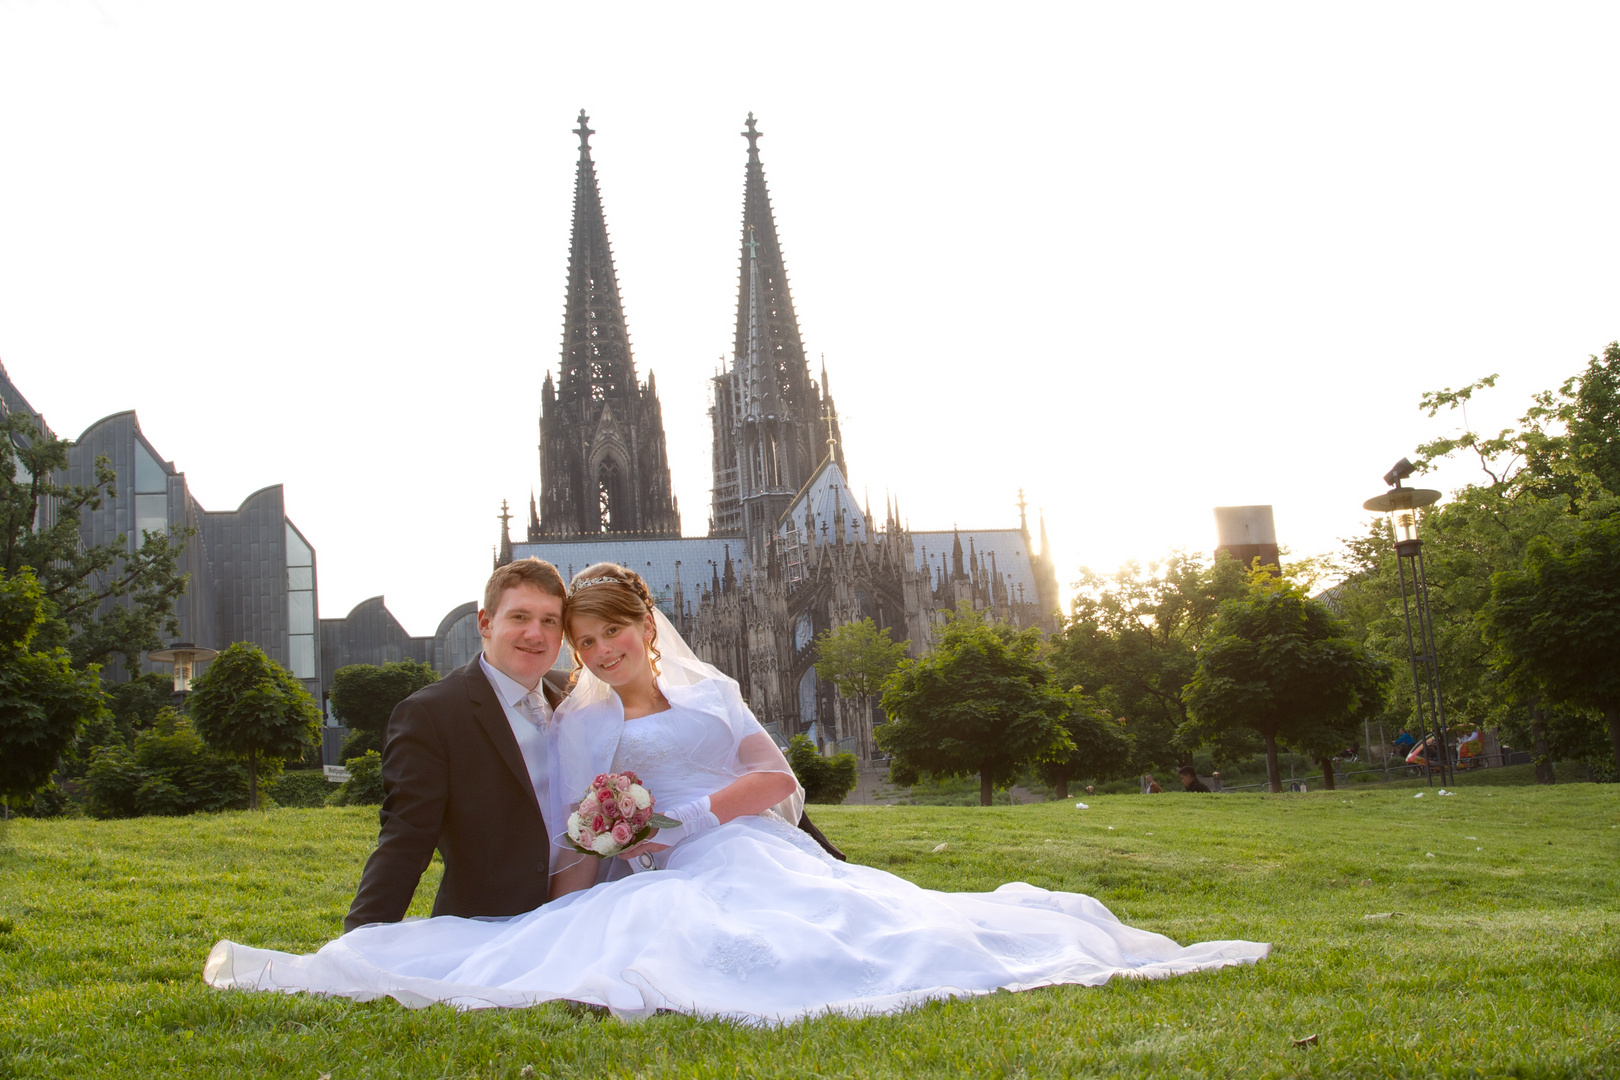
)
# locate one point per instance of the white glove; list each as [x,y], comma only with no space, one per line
[696,819]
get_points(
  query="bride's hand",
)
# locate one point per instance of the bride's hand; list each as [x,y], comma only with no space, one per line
[646,847]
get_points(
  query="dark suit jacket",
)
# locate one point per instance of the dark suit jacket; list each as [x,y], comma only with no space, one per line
[454,779]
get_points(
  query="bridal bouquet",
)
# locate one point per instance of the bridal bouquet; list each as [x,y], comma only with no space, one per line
[616,814]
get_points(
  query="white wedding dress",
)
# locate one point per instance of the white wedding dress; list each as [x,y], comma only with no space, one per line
[750,921]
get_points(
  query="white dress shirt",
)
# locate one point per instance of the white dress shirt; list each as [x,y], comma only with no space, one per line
[530,734]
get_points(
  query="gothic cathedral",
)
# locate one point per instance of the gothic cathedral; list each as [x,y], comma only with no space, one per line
[790,553]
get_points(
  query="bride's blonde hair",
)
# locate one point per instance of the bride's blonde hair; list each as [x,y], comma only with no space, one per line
[616,595]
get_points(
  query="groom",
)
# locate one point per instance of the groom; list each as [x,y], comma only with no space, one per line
[464,767]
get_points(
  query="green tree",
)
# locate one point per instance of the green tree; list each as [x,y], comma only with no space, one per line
[1098,747]
[246,705]
[43,698]
[101,602]
[1555,624]
[1132,638]
[825,779]
[1537,478]
[364,696]
[857,657]
[1278,663]
[983,702]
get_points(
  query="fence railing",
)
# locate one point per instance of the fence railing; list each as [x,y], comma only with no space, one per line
[1395,769]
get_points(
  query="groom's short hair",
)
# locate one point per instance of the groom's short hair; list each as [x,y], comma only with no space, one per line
[531,571]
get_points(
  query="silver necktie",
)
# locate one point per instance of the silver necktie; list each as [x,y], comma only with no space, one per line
[533,707]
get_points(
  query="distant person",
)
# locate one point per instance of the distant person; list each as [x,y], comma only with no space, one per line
[1091,789]
[1150,786]
[1190,781]
[1215,778]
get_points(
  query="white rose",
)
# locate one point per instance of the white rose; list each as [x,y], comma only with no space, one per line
[641,795]
[573,825]
[604,845]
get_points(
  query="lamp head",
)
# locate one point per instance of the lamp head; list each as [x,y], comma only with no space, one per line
[1402,469]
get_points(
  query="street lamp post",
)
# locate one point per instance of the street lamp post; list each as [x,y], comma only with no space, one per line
[1401,504]
[184,656]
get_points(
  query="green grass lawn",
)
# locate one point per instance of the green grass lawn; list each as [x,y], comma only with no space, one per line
[1476,934]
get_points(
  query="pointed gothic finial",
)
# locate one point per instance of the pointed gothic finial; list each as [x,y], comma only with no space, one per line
[504,553]
[752,134]
[1023,522]
[584,131]
[1046,545]
[752,245]
[825,390]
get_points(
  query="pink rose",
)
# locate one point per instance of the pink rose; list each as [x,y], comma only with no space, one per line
[621,784]
[599,823]
[622,834]
[627,805]
[601,780]
[642,817]
[586,836]
[588,805]
[632,777]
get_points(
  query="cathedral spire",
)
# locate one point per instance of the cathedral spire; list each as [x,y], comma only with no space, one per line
[767,413]
[604,466]
[596,341]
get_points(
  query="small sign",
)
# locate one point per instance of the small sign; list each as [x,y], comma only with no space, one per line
[337,774]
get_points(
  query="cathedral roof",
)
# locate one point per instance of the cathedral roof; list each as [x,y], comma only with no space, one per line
[824,493]
[654,560]
[1008,549]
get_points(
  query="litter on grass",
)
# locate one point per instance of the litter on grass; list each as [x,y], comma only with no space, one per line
[940,848]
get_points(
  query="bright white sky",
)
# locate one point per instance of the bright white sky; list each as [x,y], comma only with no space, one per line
[1138,259]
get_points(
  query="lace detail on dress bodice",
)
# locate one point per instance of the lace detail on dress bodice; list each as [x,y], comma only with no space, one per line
[671,751]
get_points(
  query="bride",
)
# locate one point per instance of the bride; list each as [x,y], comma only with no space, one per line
[734,914]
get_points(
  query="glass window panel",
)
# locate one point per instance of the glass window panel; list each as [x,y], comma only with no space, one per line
[149,475]
[151,514]
[298,552]
[300,577]
[302,647]
[807,696]
[301,612]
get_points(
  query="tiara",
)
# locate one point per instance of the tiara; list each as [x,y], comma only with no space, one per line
[578,585]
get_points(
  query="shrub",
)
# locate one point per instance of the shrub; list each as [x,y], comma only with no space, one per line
[168,772]
[304,788]
[359,741]
[825,780]
[364,787]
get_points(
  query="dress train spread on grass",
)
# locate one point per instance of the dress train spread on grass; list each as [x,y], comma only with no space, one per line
[750,921]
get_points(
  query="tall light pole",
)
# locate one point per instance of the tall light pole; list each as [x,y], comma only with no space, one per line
[1401,504]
